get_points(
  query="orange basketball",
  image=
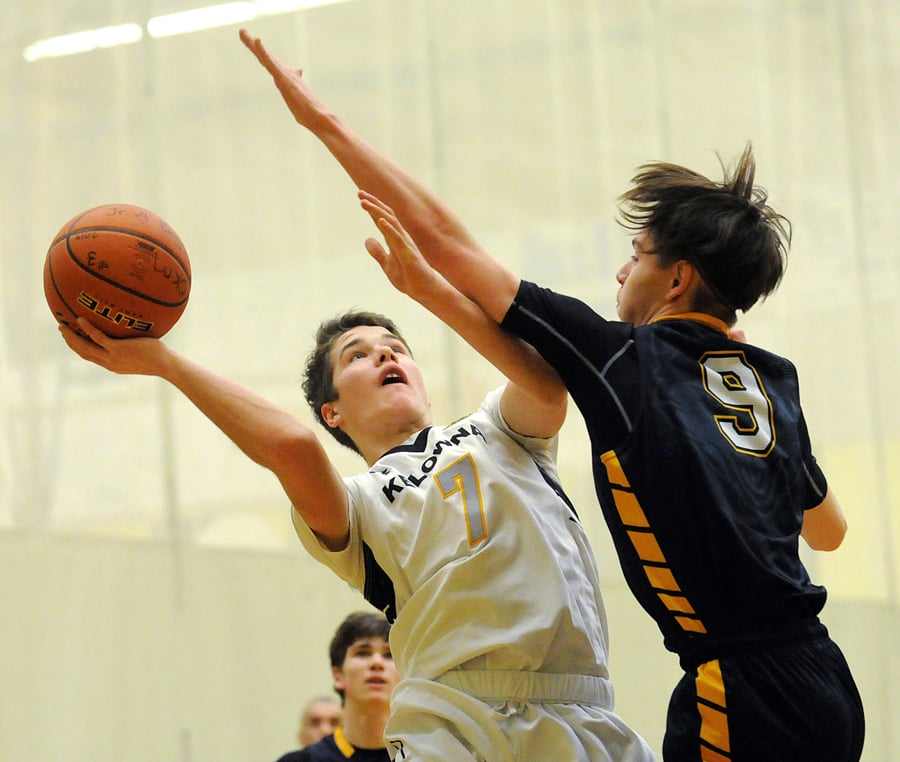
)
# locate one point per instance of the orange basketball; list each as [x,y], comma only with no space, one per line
[120,266]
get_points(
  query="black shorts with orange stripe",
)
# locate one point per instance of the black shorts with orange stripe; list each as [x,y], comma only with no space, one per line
[793,701]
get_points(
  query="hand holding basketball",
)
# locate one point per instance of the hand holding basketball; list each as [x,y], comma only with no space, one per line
[138,356]
[121,267]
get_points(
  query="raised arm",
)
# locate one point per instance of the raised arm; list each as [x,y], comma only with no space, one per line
[439,234]
[534,400]
[266,434]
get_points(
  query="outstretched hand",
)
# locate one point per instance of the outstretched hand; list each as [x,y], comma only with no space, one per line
[402,261]
[290,84]
[138,356]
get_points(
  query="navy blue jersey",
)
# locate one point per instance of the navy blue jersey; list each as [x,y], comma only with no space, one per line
[702,465]
[335,748]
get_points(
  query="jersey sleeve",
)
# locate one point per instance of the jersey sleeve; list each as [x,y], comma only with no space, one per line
[355,564]
[817,484]
[346,563]
[554,323]
[594,357]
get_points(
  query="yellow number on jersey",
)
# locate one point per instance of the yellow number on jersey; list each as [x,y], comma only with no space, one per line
[462,476]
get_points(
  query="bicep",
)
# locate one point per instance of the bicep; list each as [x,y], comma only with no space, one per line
[824,526]
[317,492]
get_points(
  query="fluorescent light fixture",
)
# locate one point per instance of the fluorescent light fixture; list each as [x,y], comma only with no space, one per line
[208,17]
[272,7]
[82,42]
[200,18]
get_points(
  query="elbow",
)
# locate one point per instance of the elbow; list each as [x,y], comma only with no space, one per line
[835,541]
[285,449]
[830,540]
[827,544]
[559,403]
[836,537]
[552,391]
[555,406]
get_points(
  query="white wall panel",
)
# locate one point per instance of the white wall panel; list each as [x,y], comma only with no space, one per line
[529,118]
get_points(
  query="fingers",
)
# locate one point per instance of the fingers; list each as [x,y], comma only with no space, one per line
[378,210]
[250,42]
[80,344]
[91,331]
[373,201]
[373,246]
[255,46]
[269,62]
[373,211]
[400,244]
[376,251]
[397,242]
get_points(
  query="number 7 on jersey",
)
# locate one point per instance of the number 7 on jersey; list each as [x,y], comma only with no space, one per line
[461,476]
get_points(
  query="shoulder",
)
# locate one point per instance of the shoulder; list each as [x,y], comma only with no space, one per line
[299,755]
[568,332]
[534,301]
[322,751]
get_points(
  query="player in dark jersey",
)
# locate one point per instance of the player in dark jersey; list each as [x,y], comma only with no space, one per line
[364,675]
[702,460]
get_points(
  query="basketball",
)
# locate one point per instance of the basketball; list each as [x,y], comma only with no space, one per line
[121,267]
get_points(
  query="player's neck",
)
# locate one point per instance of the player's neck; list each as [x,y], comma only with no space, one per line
[364,726]
[372,448]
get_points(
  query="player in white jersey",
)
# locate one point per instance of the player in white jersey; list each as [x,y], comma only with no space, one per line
[460,534]
[494,586]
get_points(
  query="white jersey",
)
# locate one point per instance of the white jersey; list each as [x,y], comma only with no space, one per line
[463,534]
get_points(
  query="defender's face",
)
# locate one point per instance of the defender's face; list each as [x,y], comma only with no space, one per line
[643,283]
[377,380]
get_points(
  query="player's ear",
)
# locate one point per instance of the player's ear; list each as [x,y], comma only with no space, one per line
[337,677]
[331,416]
[683,273]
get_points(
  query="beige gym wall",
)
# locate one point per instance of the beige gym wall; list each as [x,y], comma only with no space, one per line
[156,604]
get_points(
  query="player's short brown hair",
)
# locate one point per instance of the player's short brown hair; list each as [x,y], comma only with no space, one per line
[725,229]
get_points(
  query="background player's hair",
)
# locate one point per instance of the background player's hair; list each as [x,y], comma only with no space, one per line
[726,230]
[358,625]
[318,377]
[322,698]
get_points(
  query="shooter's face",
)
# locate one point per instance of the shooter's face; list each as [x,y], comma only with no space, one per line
[378,383]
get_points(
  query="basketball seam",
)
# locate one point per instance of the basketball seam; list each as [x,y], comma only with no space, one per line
[116,283]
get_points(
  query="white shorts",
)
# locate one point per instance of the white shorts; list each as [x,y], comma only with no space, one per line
[509,717]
